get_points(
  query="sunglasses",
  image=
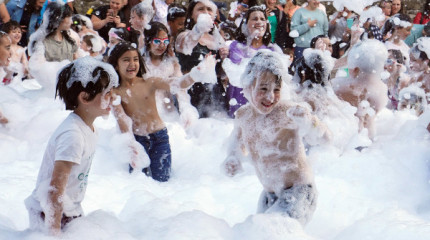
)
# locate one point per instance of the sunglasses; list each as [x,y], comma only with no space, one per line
[158,41]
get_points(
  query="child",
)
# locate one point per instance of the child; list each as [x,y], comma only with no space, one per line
[176,19]
[19,62]
[420,63]
[161,62]
[5,56]
[85,87]
[93,45]
[138,102]
[363,88]
[271,130]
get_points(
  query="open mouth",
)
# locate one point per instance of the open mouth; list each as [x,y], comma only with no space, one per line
[131,70]
[267,105]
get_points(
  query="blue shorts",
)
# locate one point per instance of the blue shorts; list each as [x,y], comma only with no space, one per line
[157,147]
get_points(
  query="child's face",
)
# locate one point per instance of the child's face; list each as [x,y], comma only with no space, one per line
[257,22]
[177,25]
[403,32]
[65,24]
[159,44]
[386,9]
[266,92]
[113,41]
[417,64]
[5,52]
[15,35]
[136,21]
[128,65]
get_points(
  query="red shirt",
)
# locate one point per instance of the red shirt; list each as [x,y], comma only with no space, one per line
[417,19]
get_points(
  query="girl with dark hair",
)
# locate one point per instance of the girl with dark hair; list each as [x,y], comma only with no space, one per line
[137,112]
[424,16]
[162,63]
[54,35]
[27,14]
[253,34]
[397,29]
[201,37]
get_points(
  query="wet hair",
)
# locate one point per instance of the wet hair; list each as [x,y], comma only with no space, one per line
[427,29]
[426,11]
[338,47]
[78,21]
[251,3]
[119,50]
[229,29]
[189,22]
[30,5]
[314,73]
[242,37]
[87,39]
[127,34]
[315,39]
[152,32]
[70,94]
[390,24]
[175,11]
[397,54]
[11,25]
[142,9]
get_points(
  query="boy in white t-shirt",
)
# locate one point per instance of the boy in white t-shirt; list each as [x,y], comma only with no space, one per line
[84,85]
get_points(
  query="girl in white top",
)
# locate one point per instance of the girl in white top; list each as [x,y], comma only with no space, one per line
[63,175]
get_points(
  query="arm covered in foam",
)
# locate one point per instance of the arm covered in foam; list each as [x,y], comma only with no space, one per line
[232,164]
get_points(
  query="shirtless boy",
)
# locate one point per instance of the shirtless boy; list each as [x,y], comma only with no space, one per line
[271,131]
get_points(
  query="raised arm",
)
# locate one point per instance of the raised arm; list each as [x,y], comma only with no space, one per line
[187,40]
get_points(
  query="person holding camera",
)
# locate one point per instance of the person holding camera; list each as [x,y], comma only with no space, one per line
[109,16]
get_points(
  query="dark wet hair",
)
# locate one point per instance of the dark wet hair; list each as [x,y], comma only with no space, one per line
[397,54]
[152,32]
[229,29]
[30,5]
[9,26]
[119,50]
[337,48]
[242,38]
[315,74]
[315,39]
[70,95]
[128,34]
[87,39]
[175,11]
[390,26]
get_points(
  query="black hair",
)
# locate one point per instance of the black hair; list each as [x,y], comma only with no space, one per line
[229,29]
[426,11]
[30,5]
[242,38]
[175,11]
[338,47]
[70,94]
[397,54]
[9,26]
[314,73]
[251,3]
[119,50]
[127,34]
[315,39]
[427,29]
[152,32]
[390,25]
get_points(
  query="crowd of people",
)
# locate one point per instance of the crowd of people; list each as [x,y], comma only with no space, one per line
[155,61]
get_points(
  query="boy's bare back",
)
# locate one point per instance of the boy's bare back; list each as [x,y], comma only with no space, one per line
[276,148]
[138,101]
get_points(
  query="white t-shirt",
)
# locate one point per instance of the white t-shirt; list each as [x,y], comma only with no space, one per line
[72,141]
